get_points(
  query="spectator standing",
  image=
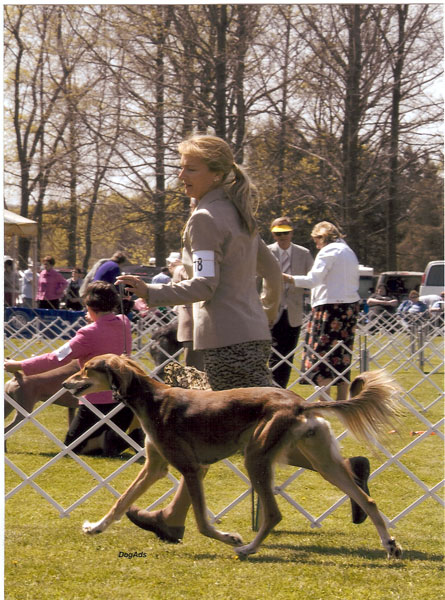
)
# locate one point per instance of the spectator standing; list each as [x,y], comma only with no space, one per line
[294,260]
[72,294]
[26,288]
[334,283]
[110,269]
[51,286]
[10,282]
[192,357]
[163,276]
[173,260]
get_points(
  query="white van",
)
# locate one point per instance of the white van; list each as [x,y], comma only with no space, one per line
[366,281]
[433,278]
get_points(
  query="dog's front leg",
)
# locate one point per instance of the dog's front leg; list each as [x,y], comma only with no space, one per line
[196,491]
[155,468]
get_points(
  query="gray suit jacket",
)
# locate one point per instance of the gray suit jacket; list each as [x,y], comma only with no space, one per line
[227,309]
[301,264]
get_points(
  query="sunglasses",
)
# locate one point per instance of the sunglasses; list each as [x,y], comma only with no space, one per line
[280,233]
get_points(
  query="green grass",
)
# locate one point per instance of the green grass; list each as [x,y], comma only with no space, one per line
[48,557]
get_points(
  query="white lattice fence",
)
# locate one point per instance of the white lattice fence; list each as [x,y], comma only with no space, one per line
[412,354]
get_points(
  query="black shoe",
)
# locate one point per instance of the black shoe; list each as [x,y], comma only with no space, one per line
[114,445]
[361,470]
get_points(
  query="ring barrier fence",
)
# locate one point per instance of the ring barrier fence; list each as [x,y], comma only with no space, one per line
[410,351]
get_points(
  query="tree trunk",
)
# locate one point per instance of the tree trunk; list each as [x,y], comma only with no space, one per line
[241,48]
[73,167]
[392,206]
[159,196]
[351,122]
[220,70]
[282,137]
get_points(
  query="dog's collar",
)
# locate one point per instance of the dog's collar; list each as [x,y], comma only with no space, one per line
[116,393]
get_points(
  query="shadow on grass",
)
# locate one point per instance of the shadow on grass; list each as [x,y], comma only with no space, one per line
[124,457]
[308,553]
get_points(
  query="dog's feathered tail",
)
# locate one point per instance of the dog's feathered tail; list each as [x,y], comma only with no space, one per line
[370,409]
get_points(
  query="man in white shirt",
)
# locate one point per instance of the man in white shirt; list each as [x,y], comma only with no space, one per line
[294,260]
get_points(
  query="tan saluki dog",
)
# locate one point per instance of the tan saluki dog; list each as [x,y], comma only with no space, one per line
[190,429]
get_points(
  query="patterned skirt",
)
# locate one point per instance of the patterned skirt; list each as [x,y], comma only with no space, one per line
[328,325]
[239,365]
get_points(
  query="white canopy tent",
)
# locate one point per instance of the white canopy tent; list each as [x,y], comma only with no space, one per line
[17,226]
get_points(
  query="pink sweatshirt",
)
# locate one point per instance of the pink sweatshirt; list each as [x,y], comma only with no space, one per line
[105,336]
[51,285]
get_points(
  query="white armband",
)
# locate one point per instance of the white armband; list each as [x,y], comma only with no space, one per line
[63,351]
[204,263]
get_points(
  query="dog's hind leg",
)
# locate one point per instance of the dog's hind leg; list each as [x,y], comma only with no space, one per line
[155,468]
[193,479]
[260,472]
[322,450]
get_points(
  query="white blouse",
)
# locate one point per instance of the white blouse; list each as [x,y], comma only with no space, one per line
[334,277]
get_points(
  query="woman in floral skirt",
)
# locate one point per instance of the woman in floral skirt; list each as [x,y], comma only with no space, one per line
[334,282]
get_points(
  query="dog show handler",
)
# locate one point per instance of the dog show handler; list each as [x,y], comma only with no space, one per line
[106,333]
[222,254]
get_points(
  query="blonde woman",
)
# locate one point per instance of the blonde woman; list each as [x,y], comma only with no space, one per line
[334,282]
[222,254]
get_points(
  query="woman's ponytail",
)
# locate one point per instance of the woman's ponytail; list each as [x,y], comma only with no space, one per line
[239,189]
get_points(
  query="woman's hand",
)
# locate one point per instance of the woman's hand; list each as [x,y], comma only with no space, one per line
[12,366]
[288,278]
[134,284]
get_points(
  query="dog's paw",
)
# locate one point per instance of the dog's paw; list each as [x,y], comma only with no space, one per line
[92,528]
[233,539]
[243,551]
[394,550]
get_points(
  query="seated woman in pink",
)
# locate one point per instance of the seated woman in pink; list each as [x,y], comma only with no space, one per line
[107,333]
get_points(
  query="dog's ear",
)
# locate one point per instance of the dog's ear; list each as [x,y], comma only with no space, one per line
[119,373]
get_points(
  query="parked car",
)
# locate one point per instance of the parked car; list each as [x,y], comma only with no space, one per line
[145,272]
[65,271]
[400,283]
[433,278]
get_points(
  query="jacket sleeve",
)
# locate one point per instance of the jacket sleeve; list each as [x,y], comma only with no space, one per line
[316,276]
[61,284]
[203,235]
[78,347]
[269,269]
